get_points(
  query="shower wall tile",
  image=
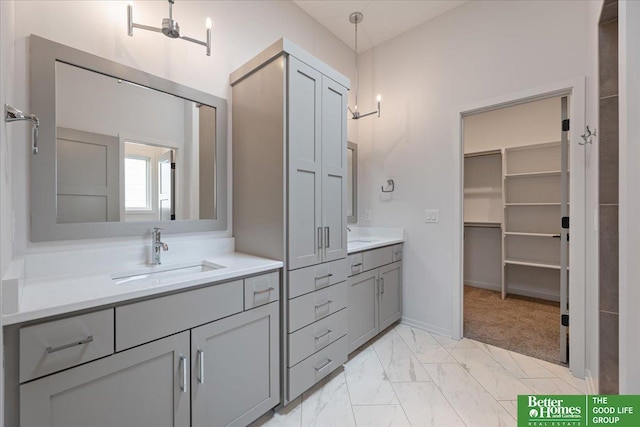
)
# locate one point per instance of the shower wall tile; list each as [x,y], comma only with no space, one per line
[609,258]
[608,54]
[608,353]
[608,146]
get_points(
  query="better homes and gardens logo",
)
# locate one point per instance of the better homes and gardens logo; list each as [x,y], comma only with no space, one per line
[578,411]
[552,411]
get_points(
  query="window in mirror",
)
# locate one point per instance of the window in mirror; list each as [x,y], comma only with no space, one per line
[137,187]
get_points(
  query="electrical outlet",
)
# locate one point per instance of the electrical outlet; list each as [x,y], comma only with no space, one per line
[431,215]
[367,215]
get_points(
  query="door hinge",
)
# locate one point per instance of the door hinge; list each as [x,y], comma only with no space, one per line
[564,320]
[173,217]
[565,222]
[173,165]
[566,125]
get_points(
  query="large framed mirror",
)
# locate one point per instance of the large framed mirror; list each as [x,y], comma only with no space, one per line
[352,183]
[122,151]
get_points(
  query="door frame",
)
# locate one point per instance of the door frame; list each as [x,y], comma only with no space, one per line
[577,186]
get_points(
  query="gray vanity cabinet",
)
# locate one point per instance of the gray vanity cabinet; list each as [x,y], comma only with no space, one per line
[234,370]
[375,295]
[143,386]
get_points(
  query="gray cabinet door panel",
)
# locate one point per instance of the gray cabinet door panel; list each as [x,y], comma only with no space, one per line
[334,169]
[235,375]
[390,294]
[363,308]
[305,164]
[138,387]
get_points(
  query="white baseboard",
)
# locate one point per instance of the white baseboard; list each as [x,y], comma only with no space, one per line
[483,285]
[425,326]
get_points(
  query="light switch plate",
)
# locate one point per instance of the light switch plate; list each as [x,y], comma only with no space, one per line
[367,215]
[431,215]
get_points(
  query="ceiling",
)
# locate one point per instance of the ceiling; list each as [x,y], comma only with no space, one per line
[383,19]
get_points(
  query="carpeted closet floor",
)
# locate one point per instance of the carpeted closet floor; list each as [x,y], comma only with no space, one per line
[525,325]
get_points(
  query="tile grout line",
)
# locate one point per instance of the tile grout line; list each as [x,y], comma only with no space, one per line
[346,383]
[391,383]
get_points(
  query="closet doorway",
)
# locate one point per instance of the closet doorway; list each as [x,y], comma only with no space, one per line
[516,242]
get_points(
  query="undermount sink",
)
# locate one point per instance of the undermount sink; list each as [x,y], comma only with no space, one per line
[161,272]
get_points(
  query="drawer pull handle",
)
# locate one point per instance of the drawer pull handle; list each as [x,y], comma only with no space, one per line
[324,276]
[264,291]
[324,365]
[319,337]
[87,340]
[201,366]
[327,233]
[356,265]
[398,253]
[323,304]
[183,370]
[382,286]
[319,237]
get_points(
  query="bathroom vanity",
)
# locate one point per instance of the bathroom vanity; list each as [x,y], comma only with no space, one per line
[375,285]
[198,348]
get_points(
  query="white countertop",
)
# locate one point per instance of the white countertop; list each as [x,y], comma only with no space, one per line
[49,296]
[364,238]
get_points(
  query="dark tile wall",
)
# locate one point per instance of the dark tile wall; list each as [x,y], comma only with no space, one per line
[608,197]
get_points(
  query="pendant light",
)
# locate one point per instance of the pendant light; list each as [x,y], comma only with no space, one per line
[355,18]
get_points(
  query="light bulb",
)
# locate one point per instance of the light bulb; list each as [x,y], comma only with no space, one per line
[379,98]
[208,23]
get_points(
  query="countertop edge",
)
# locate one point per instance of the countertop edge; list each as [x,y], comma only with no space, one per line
[262,265]
[378,243]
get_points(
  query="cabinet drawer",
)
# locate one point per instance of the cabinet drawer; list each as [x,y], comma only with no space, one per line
[306,341]
[260,290]
[355,264]
[61,344]
[308,308]
[309,279]
[146,321]
[314,368]
[397,252]
[377,257]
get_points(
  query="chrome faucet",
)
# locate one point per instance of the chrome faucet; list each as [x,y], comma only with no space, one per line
[157,246]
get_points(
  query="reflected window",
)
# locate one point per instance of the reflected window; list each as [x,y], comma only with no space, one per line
[137,183]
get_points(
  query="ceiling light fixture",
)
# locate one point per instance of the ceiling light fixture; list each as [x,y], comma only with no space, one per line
[170,28]
[356,18]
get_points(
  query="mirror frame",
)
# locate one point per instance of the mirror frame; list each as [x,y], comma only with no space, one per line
[352,219]
[44,225]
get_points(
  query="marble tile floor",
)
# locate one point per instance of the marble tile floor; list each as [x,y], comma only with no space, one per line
[409,377]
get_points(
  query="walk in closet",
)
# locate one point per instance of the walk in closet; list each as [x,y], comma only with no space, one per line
[516,182]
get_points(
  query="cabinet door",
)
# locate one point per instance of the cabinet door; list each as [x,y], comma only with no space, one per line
[390,294]
[305,165]
[235,375]
[363,308]
[144,386]
[334,169]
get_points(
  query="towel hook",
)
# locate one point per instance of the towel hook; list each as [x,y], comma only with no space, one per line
[389,183]
[587,136]
[12,114]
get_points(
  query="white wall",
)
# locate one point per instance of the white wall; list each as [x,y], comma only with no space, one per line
[478,51]
[240,31]
[6,97]
[629,60]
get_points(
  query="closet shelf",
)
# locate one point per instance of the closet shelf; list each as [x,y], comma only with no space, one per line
[519,233]
[533,174]
[515,261]
[487,224]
